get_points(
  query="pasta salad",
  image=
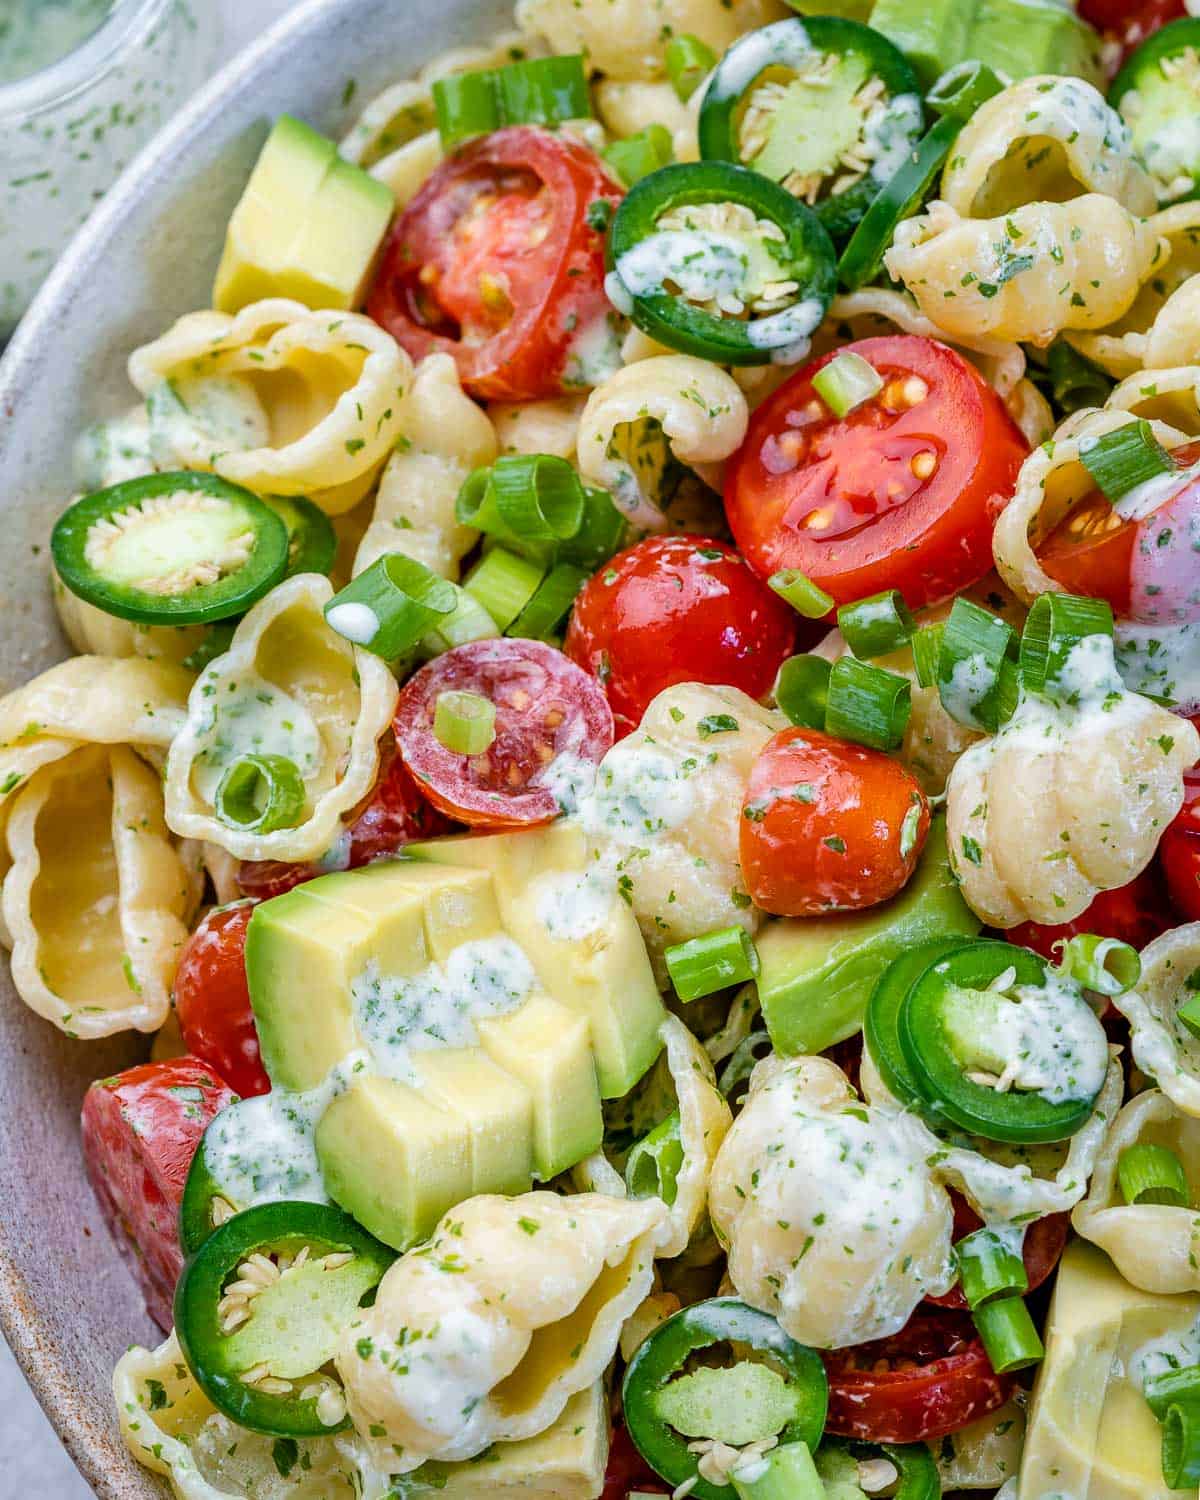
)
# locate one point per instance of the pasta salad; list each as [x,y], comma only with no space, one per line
[634,741]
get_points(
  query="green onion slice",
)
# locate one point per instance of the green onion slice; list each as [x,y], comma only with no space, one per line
[468,621]
[1152,1174]
[639,155]
[464,722]
[688,59]
[1181,1445]
[876,626]
[602,532]
[1105,965]
[1008,1334]
[260,793]
[466,105]
[846,382]
[654,1164]
[802,690]
[926,650]
[1122,459]
[387,609]
[975,645]
[989,1268]
[1172,1388]
[555,595]
[503,584]
[1056,625]
[703,965]
[1188,1015]
[867,704]
[960,91]
[540,91]
[1075,382]
[529,501]
[805,597]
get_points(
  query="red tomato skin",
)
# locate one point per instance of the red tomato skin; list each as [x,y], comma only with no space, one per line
[930,537]
[1130,23]
[821,825]
[140,1132]
[627,1469]
[212,999]
[1179,848]
[1045,1241]
[952,1385]
[396,813]
[1132,914]
[561,276]
[546,707]
[677,609]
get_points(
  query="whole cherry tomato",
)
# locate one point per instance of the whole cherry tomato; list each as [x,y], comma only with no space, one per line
[677,609]
[1145,567]
[396,813]
[1132,914]
[212,999]
[901,493]
[499,262]
[140,1132]
[1179,848]
[1044,1243]
[930,1379]
[828,826]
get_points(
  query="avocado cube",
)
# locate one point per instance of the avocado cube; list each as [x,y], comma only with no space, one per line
[308,226]
[547,1047]
[394,1159]
[604,974]
[497,1109]
[816,973]
[566,1461]
[459,905]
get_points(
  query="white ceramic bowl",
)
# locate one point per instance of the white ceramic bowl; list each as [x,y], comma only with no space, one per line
[68,1304]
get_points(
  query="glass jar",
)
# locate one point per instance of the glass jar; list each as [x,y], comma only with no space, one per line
[84,84]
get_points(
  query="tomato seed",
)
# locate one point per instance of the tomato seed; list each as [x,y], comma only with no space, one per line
[923,464]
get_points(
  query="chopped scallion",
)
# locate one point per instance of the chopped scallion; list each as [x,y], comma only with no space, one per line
[537,91]
[469,621]
[1171,1388]
[638,155]
[926,649]
[545,611]
[391,606]
[529,501]
[260,793]
[688,59]
[1105,965]
[867,704]
[876,626]
[464,722]
[1056,625]
[703,965]
[783,1473]
[988,1268]
[1125,457]
[601,533]
[802,690]
[503,583]
[1008,1334]
[1181,1445]
[1188,1015]
[805,597]
[975,645]
[846,382]
[1148,1173]
[960,91]
[654,1164]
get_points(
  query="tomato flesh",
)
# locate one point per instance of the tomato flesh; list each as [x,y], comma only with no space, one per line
[552,721]
[902,492]
[396,813]
[1090,551]
[497,262]
[212,999]
[930,1379]
[828,826]
[140,1132]
[1179,848]
[677,609]
[1045,1240]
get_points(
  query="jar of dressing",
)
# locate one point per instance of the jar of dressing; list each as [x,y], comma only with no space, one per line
[84,84]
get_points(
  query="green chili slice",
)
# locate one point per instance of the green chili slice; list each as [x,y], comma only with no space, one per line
[716,261]
[665,1408]
[171,549]
[1155,94]
[881,1024]
[312,541]
[838,1459]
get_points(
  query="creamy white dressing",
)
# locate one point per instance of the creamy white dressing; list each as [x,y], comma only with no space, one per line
[970,682]
[217,413]
[250,716]
[640,790]
[573,907]
[1051,1042]
[1172,1351]
[888,134]
[594,353]
[703,264]
[397,1016]
[353,622]
[782,45]
[1162,661]
[787,332]
[109,453]
[1152,494]
[1068,108]
[570,778]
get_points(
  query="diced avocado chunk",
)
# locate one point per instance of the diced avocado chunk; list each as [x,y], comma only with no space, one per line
[1090,1430]
[1017,38]
[308,226]
[497,1109]
[583,943]
[567,1461]
[817,973]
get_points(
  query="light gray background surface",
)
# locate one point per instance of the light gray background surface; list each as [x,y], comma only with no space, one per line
[32,1463]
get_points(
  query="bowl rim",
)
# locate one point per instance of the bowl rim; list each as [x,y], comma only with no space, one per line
[43,1365]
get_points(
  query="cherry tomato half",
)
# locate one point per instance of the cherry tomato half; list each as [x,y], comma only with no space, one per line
[1132,914]
[930,1379]
[1130,21]
[212,999]
[140,1132]
[1179,848]
[1045,1241]
[902,493]
[828,826]
[550,717]
[678,609]
[396,813]
[1146,567]
[498,262]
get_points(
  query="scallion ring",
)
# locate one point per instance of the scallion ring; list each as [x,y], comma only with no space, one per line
[1105,965]
[802,690]
[805,597]
[703,965]
[653,1167]
[464,722]
[1188,1015]
[1057,623]
[1147,1173]
[926,651]
[1181,1445]
[1008,1335]
[960,90]
[389,608]
[846,382]
[1122,459]
[975,645]
[876,626]
[639,155]
[555,595]
[1171,1388]
[688,59]
[529,501]
[536,91]
[260,794]
[867,704]
[989,1268]
[503,584]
